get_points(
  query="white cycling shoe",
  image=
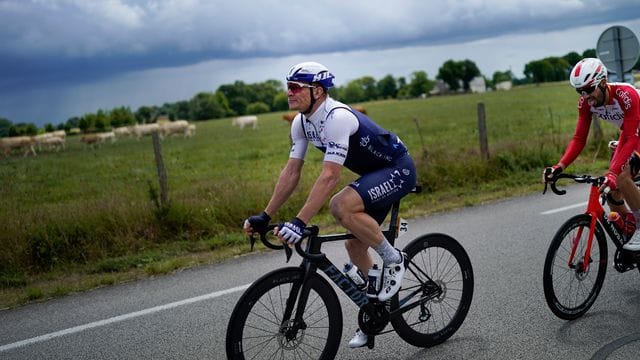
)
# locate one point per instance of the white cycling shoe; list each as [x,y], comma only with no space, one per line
[392,279]
[358,340]
[634,242]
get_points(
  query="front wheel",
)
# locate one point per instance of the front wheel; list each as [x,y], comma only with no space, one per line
[263,325]
[436,291]
[571,280]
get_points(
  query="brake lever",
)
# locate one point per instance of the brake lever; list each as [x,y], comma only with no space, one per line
[252,240]
[288,252]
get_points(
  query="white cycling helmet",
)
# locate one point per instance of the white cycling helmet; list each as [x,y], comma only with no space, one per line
[311,72]
[587,73]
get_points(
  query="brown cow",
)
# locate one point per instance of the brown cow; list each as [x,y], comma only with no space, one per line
[288,117]
[360,108]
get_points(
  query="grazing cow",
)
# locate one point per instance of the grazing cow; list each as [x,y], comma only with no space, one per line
[122,131]
[53,143]
[191,130]
[243,121]
[8,144]
[360,109]
[107,136]
[90,139]
[50,139]
[175,127]
[99,138]
[145,129]
[288,117]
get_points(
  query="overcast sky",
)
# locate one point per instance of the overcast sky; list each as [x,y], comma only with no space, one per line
[64,58]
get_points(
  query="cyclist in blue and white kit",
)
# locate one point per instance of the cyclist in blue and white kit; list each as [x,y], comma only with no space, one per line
[352,140]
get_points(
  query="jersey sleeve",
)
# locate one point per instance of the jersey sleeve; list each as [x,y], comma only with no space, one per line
[629,140]
[579,138]
[340,125]
[299,141]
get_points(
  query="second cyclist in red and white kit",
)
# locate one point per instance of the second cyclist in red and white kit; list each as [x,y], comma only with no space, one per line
[618,104]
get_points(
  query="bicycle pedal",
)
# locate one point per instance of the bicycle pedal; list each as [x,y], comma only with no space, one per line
[371,341]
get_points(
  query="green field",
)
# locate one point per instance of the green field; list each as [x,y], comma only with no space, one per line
[86,217]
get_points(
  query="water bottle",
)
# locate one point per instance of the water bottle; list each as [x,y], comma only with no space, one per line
[374,281]
[627,227]
[617,220]
[353,273]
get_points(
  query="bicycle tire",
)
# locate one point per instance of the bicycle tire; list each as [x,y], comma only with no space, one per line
[582,288]
[445,261]
[253,331]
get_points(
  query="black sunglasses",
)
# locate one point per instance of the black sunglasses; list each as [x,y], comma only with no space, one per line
[586,90]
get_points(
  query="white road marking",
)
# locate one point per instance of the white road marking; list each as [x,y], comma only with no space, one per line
[553,211]
[119,318]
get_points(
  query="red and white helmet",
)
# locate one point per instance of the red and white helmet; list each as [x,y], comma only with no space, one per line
[587,73]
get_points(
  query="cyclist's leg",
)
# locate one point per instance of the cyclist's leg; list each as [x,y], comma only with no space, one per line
[631,194]
[362,206]
[348,209]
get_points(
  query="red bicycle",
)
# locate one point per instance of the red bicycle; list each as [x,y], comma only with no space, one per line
[575,266]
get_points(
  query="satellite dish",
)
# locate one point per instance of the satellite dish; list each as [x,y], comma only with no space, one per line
[618,49]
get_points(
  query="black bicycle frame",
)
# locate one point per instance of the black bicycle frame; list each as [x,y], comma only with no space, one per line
[314,259]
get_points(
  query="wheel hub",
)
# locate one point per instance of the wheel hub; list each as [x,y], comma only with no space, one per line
[443,291]
[291,334]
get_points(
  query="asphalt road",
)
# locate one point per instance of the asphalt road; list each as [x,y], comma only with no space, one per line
[184,315]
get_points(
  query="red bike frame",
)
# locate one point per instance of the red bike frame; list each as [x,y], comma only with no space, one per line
[596,211]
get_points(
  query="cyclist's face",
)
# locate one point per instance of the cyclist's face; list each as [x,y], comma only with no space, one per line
[299,95]
[594,97]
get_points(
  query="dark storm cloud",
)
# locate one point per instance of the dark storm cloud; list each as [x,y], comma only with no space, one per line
[70,41]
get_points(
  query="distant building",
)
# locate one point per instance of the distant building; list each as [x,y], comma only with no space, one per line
[504,85]
[440,88]
[478,85]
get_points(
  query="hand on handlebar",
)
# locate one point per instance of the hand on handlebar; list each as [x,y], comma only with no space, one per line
[550,173]
[291,231]
[610,183]
[256,223]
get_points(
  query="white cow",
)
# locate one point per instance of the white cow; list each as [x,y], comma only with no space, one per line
[145,129]
[123,131]
[7,144]
[174,127]
[53,143]
[191,130]
[247,120]
[50,139]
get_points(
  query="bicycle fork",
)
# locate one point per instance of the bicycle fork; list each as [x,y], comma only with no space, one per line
[594,203]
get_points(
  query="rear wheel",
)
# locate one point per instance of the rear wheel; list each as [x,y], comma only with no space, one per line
[256,329]
[571,281]
[439,284]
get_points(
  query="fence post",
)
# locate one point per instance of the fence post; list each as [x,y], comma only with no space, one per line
[424,148]
[482,130]
[162,171]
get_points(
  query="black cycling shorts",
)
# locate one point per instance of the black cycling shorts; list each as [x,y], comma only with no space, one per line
[383,187]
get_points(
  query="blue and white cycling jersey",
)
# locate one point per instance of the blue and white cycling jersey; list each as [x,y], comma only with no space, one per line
[347,137]
[350,138]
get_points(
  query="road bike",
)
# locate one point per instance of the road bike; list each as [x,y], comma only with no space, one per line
[294,312]
[576,262]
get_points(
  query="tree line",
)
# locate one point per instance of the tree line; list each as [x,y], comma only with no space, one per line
[240,98]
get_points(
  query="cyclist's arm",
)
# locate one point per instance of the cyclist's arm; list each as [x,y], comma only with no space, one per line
[287,182]
[321,190]
[579,139]
[629,139]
